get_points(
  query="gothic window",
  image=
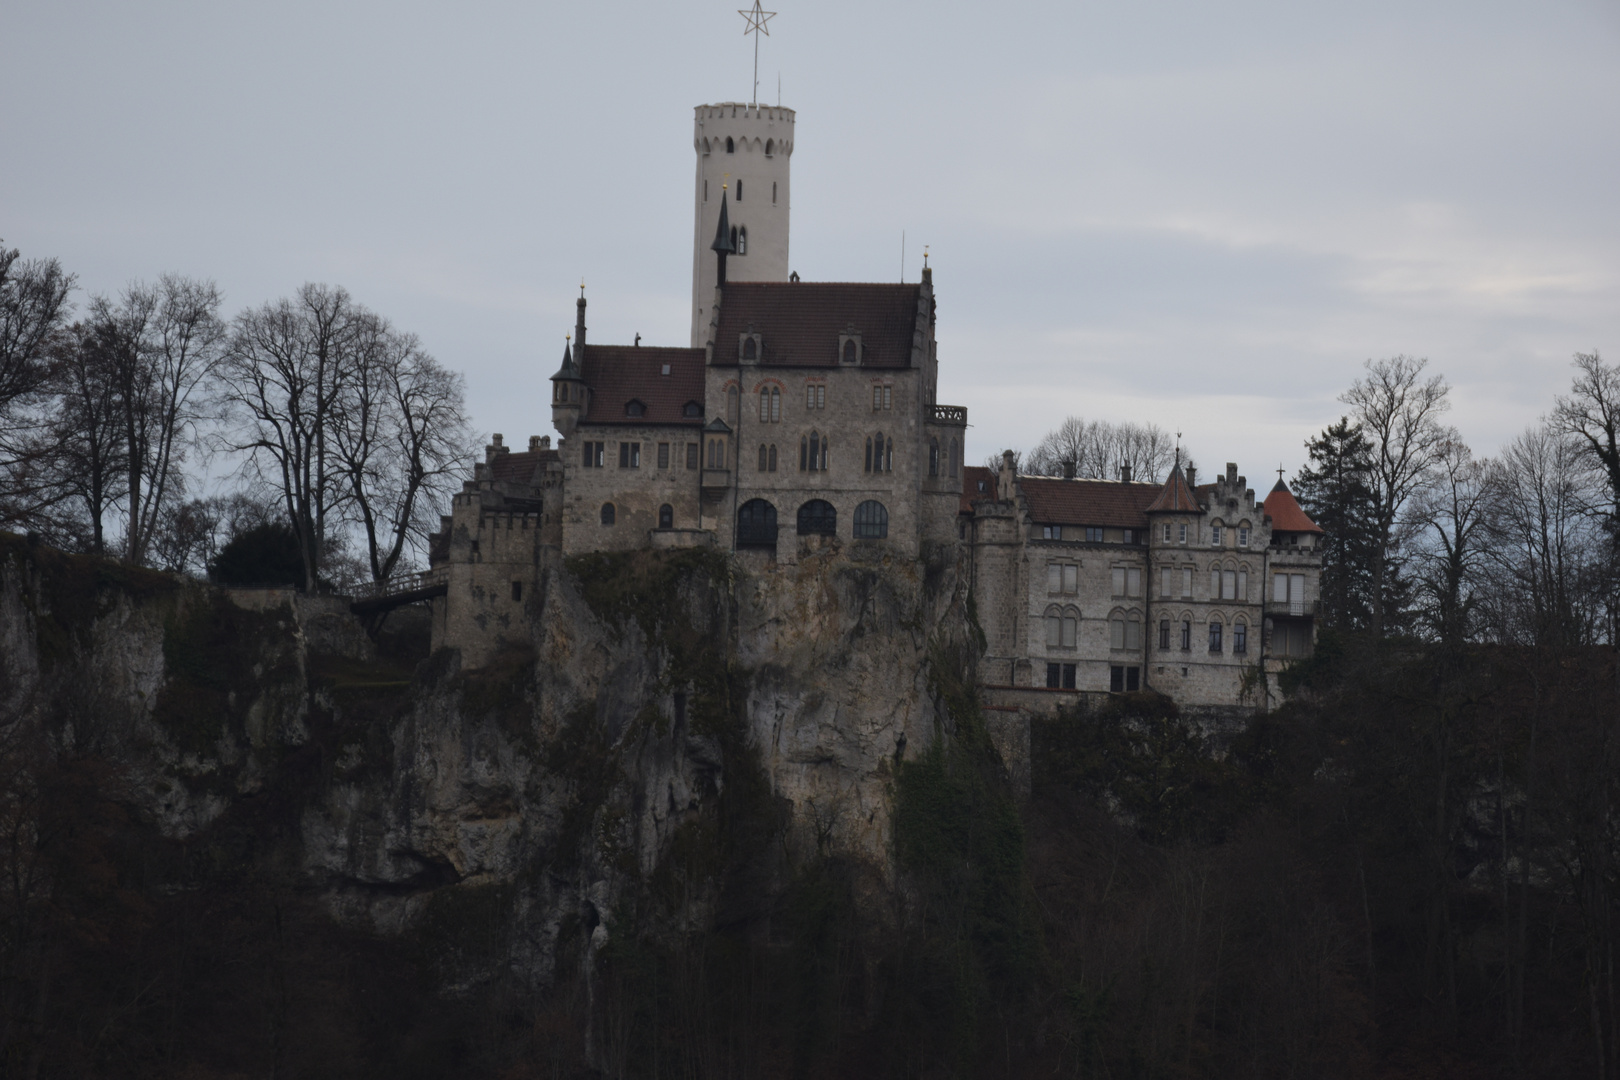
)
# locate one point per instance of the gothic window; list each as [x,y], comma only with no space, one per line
[750,350]
[770,405]
[1164,635]
[1054,627]
[756,524]
[771,460]
[1124,633]
[871,521]
[1240,637]
[888,456]
[818,518]
[770,147]
[608,514]
[763,458]
[717,454]
[849,351]
[1214,636]
[1186,635]
[953,459]
[666,516]
[731,404]
[868,453]
[692,410]
[933,457]
[731,147]
[742,233]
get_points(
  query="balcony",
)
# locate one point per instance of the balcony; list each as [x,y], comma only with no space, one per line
[716,479]
[1294,608]
[949,414]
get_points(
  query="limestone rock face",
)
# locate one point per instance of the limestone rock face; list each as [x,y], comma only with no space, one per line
[674,721]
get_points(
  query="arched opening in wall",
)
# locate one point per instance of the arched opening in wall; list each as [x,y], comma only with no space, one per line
[742,236]
[609,515]
[756,524]
[731,147]
[871,521]
[1240,637]
[666,516]
[933,457]
[818,518]
[849,351]
[731,404]
[770,147]
[750,350]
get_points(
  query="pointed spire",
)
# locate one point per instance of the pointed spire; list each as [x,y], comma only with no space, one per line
[569,369]
[722,235]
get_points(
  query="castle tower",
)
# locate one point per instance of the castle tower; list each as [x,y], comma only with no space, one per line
[746,149]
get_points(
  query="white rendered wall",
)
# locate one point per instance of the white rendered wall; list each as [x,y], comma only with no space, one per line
[750,128]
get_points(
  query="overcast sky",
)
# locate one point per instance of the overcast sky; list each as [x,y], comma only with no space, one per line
[1206,215]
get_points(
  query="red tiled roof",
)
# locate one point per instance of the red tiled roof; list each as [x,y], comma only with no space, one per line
[620,374]
[972,477]
[524,468]
[1175,495]
[799,322]
[1285,513]
[1112,503]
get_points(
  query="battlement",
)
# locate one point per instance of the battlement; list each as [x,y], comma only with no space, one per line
[751,129]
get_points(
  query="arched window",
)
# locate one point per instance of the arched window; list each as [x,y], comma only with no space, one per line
[888,456]
[869,453]
[717,454]
[933,457]
[731,147]
[772,467]
[815,451]
[871,521]
[849,351]
[608,514]
[1240,637]
[1214,635]
[742,233]
[763,458]
[770,147]
[666,516]
[732,399]
[750,350]
[953,459]
[776,405]
[1054,627]
[818,518]
[756,524]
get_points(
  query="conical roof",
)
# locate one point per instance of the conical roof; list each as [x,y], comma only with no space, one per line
[1285,512]
[1175,496]
[569,369]
[722,235]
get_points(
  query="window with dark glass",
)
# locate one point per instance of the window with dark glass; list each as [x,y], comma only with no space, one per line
[933,457]
[849,351]
[608,514]
[692,410]
[1186,636]
[1068,676]
[739,191]
[1240,637]
[635,408]
[1215,637]
[517,590]
[756,524]
[1164,634]
[629,455]
[750,351]
[731,147]
[666,516]
[771,461]
[691,455]
[871,521]
[663,455]
[818,518]
[1054,676]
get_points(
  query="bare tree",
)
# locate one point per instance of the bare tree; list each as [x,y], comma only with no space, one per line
[283,377]
[83,447]
[1543,543]
[1451,519]
[33,312]
[1102,450]
[1591,416]
[165,342]
[399,440]
[1399,411]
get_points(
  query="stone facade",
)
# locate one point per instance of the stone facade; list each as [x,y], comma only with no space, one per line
[1201,593]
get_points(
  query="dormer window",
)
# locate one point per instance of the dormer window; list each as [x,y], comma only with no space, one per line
[692,410]
[636,409]
[750,346]
[849,346]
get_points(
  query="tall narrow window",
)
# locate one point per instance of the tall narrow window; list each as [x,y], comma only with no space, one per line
[849,351]
[1214,636]
[609,515]
[953,459]
[663,455]
[666,516]
[1240,637]
[731,147]
[732,399]
[933,457]
[739,196]
[868,453]
[1164,635]
[1186,636]
[734,238]
[750,349]
[773,192]
[771,466]
[888,456]
[776,406]
[742,233]
[763,458]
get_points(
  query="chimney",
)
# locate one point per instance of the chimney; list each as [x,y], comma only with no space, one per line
[495,448]
[1231,474]
[1192,478]
[1068,468]
[1125,472]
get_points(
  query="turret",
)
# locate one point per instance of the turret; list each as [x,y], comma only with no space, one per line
[568,390]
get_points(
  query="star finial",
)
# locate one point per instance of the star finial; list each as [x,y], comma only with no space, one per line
[757,17]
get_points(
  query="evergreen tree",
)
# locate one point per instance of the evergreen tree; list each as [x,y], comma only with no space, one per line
[1336,491]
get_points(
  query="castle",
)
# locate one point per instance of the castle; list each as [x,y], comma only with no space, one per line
[804,417]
